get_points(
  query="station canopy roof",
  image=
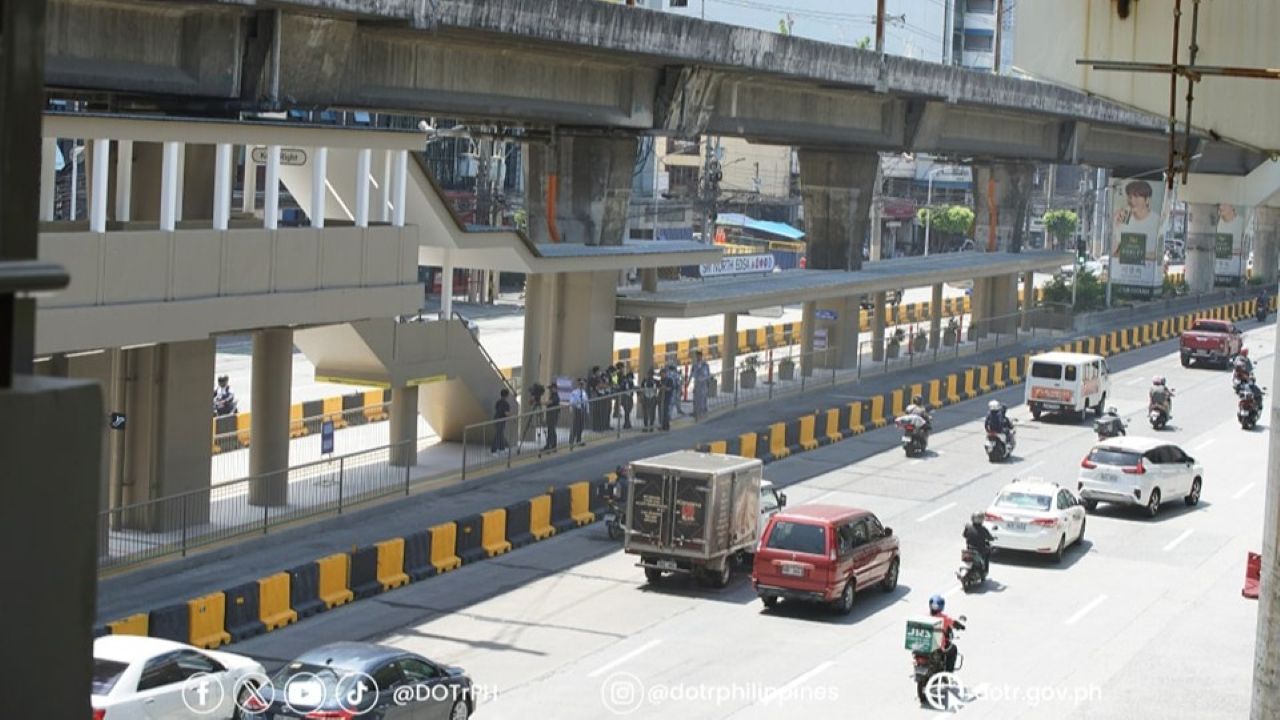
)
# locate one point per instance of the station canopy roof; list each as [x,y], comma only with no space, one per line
[768,227]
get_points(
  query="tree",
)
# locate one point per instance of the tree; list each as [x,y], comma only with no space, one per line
[1061,225]
[1090,295]
[953,220]
[864,43]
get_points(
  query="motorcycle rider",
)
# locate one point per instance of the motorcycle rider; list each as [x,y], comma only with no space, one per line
[1243,367]
[917,407]
[998,421]
[1160,396]
[936,605]
[224,401]
[978,539]
[1110,424]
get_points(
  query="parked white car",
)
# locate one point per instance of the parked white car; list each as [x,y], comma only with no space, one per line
[1139,471]
[145,678]
[1036,516]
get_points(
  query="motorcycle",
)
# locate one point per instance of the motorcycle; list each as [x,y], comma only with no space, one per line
[1241,378]
[1260,313]
[915,434]
[1109,426]
[926,665]
[1248,409]
[1158,417]
[973,569]
[613,522]
[999,446]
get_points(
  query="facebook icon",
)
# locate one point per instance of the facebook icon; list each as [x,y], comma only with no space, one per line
[203,693]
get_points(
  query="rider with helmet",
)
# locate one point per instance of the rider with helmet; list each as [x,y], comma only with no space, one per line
[998,419]
[917,407]
[937,604]
[978,539]
[1243,368]
[1161,395]
[224,401]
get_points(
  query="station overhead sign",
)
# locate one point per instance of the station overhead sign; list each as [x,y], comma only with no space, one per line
[738,265]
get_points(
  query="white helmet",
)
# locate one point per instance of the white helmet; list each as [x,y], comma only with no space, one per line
[1158,380]
[993,405]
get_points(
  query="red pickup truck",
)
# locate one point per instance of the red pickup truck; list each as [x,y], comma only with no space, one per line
[1212,341]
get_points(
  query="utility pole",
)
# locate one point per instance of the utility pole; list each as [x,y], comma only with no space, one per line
[999,34]
[880,28]
[1266,663]
[710,186]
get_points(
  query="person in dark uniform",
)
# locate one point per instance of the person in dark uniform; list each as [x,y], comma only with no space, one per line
[552,416]
[669,388]
[627,400]
[649,392]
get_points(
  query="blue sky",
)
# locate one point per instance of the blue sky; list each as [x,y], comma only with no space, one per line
[843,22]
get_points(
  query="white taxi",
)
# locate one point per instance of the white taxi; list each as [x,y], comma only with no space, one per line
[146,678]
[1036,516]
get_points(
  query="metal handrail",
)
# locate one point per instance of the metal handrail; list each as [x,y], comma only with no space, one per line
[488,358]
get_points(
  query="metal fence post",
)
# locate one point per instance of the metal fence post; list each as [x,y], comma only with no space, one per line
[342,466]
[406,469]
[464,452]
[184,528]
[266,517]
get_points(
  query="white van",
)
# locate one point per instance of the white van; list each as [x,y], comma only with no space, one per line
[1069,383]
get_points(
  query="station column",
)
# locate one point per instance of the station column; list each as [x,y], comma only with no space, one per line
[808,319]
[838,188]
[1201,241]
[1001,192]
[269,424]
[404,426]
[649,327]
[879,303]
[728,353]
[935,316]
[1266,244]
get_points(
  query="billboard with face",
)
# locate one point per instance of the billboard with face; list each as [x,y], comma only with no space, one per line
[1228,251]
[1136,251]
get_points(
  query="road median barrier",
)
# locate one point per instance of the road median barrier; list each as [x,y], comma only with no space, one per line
[273,602]
[133,625]
[470,538]
[304,590]
[391,568]
[171,622]
[517,517]
[243,613]
[540,517]
[364,573]
[417,556]
[493,537]
[335,574]
[580,504]
[444,547]
[207,621]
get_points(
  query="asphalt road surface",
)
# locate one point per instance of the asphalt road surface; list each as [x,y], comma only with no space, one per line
[1143,619]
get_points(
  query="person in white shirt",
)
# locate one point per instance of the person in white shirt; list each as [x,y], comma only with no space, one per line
[578,404]
[701,384]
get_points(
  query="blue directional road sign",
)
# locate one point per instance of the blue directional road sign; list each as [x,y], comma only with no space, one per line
[326,437]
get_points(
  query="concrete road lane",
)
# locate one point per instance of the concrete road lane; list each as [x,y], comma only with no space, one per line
[1143,618]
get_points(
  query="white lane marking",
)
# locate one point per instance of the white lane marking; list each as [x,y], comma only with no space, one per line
[615,663]
[1178,540]
[936,513]
[1086,609]
[952,591]
[1136,381]
[1033,467]
[1240,493]
[785,689]
[1204,444]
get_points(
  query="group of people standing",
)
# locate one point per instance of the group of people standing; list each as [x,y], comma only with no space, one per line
[607,395]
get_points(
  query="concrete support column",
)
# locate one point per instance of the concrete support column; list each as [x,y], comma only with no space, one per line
[98,185]
[980,307]
[199,171]
[838,189]
[271,200]
[404,426]
[319,191]
[446,287]
[165,398]
[364,158]
[1266,243]
[169,186]
[935,317]
[179,201]
[249,201]
[48,177]
[808,319]
[836,323]
[1001,193]
[1004,304]
[584,308]
[1202,229]
[399,186]
[649,326]
[589,179]
[1028,298]
[269,425]
[124,181]
[222,187]
[386,188]
[877,325]
[728,353]
[539,329]
[1266,664]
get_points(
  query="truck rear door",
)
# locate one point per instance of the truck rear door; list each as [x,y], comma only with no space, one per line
[651,510]
[690,512]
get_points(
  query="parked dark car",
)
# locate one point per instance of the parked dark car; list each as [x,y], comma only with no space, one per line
[351,679]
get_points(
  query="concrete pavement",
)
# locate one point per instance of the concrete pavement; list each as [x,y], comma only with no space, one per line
[1143,619]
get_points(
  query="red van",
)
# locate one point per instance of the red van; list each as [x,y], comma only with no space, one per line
[826,554]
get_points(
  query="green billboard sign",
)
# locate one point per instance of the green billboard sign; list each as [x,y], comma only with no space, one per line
[1132,249]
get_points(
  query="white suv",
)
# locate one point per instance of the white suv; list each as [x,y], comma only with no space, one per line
[1036,516]
[1139,471]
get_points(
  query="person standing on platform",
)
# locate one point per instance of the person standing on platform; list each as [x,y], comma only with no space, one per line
[701,385]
